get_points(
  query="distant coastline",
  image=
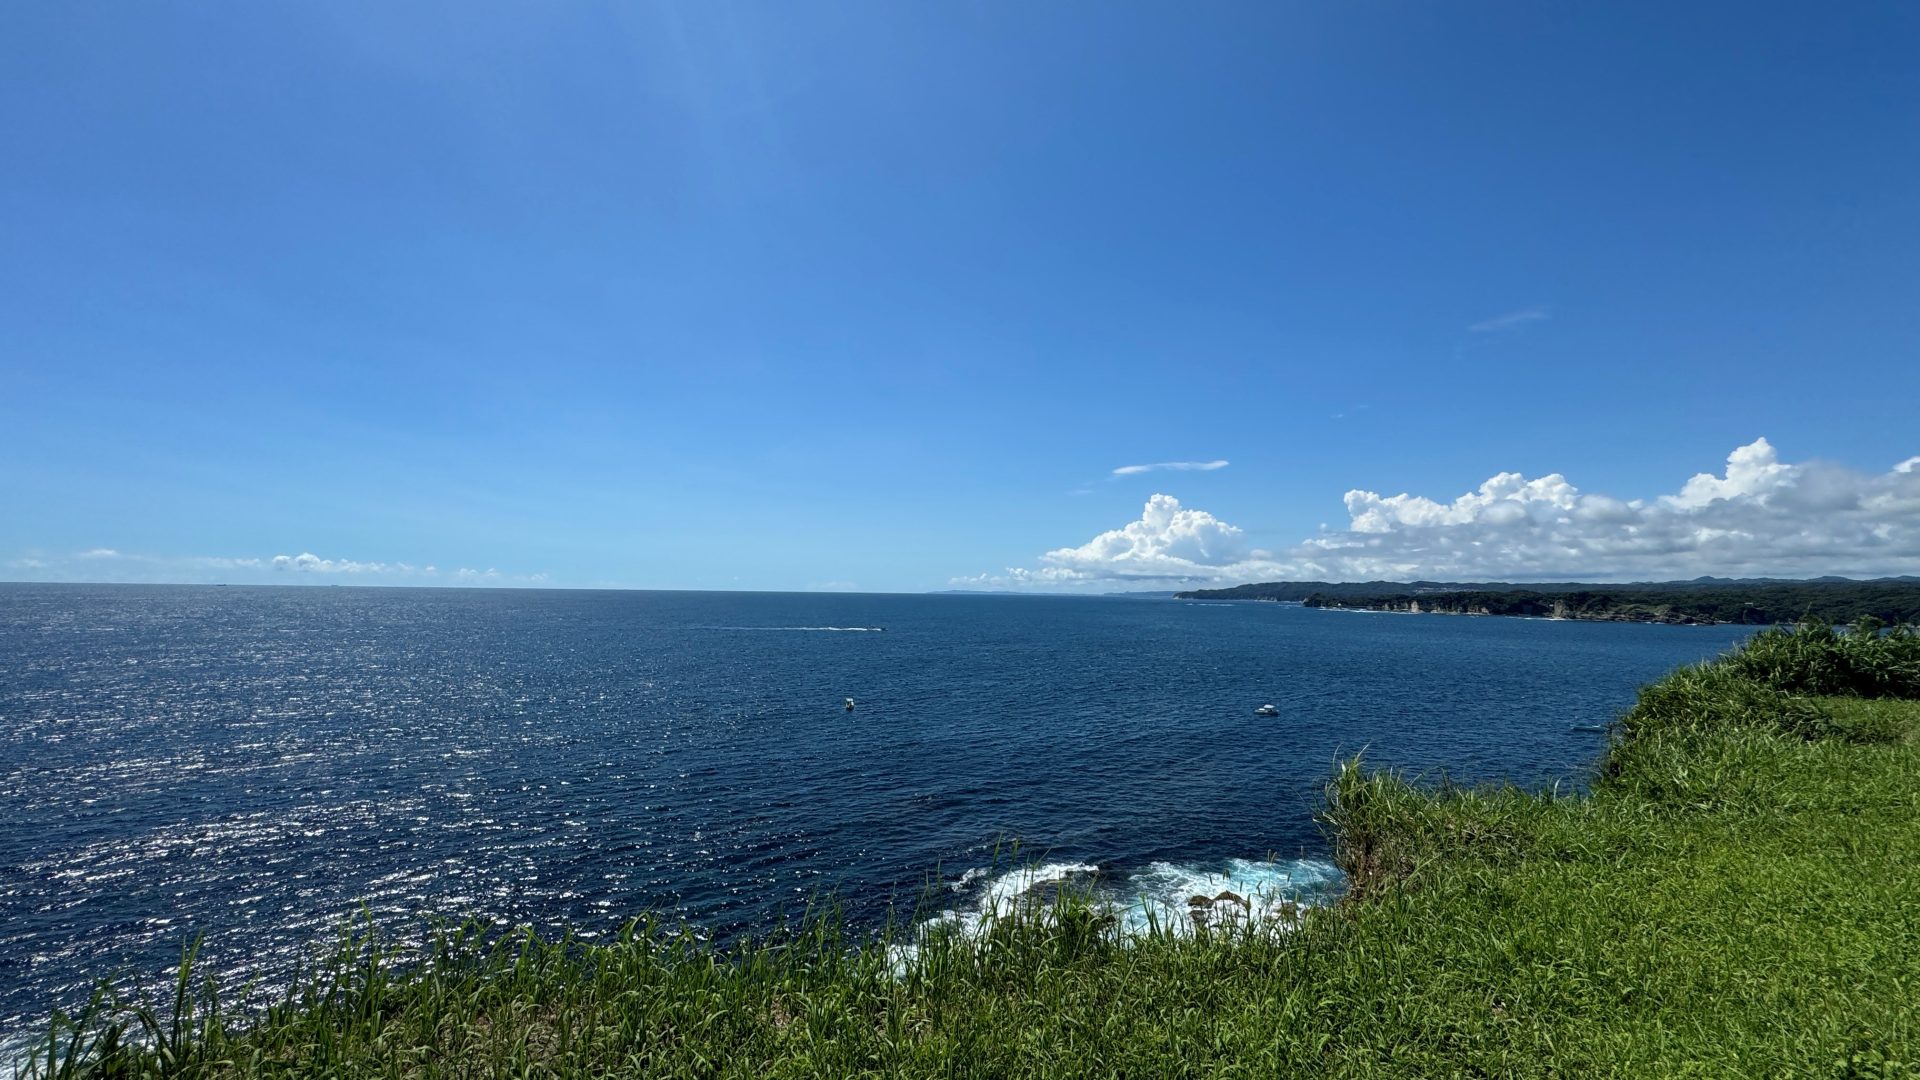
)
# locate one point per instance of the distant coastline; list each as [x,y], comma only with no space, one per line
[1703,601]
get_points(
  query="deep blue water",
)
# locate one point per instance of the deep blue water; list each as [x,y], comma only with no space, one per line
[268,760]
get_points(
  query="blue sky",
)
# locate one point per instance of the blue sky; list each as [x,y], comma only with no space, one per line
[717,295]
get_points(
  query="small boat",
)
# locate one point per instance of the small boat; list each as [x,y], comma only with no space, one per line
[849,704]
[1266,710]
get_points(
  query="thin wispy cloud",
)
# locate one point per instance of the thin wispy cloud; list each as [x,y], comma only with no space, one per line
[109,564]
[1170,466]
[1510,321]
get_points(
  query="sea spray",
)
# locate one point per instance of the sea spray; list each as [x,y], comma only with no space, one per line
[1160,898]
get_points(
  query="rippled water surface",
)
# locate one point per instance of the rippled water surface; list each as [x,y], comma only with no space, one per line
[266,761]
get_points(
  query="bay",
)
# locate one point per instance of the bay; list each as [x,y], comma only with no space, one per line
[260,763]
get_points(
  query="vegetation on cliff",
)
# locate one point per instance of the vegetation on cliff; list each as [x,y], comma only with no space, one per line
[1299,590]
[1748,603]
[1734,897]
[1711,600]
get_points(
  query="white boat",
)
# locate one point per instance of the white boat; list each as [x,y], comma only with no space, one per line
[849,704]
[1266,710]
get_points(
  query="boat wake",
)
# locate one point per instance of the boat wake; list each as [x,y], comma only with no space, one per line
[816,629]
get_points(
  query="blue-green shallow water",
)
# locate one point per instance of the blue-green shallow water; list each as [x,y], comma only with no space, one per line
[258,763]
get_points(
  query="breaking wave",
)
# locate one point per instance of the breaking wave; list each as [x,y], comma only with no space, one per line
[1162,897]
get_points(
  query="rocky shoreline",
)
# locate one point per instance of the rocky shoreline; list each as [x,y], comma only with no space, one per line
[1702,602]
[1553,608]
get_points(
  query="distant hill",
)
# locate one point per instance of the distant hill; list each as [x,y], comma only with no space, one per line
[1702,600]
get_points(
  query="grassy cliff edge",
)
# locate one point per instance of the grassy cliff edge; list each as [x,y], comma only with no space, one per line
[1737,895]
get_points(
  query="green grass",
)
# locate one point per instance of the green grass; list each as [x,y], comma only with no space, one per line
[1818,659]
[1739,895]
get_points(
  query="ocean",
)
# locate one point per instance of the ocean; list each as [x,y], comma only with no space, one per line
[259,764]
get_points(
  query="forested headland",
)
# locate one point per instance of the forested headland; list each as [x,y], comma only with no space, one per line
[1704,600]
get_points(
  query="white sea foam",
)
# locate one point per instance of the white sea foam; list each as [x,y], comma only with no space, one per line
[970,877]
[1157,898]
[1007,891]
[1274,891]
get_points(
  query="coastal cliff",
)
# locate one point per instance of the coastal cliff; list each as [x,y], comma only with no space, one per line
[1579,606]
[1704,602]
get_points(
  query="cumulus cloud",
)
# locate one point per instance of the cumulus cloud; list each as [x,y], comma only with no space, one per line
[1170,466]
[1760,516]
[1166,541]
[308,563]
[1752,470]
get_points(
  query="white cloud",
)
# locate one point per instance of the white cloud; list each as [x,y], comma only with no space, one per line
[1510,320]
[107,564]
[308,563]
[1759,517]
[1166,541]
[1170,466]
[1506,496]
[1753,470]
[223,562]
